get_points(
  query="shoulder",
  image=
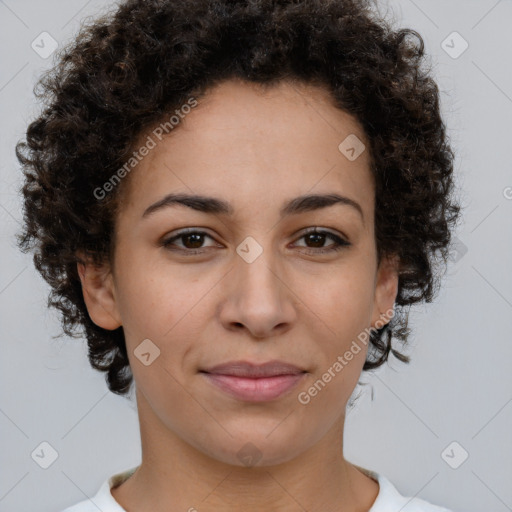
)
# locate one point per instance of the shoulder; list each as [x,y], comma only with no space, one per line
[390,499]
[103,499]
[100,501]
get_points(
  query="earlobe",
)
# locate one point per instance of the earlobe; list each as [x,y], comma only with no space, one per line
[99,294]
[386,290]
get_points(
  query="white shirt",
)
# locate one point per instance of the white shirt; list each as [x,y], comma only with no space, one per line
[388,499]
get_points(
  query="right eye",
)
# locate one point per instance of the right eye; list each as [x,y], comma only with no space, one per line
[189,237]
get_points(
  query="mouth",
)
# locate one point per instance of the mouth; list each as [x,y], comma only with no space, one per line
[255,370]
[255,382]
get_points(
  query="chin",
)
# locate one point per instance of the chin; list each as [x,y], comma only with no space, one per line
[257,449]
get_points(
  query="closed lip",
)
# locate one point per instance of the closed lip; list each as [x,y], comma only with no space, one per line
[255,370]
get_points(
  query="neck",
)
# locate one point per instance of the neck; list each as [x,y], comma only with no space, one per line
[174,475]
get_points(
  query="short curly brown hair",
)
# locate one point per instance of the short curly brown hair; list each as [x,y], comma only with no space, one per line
[129,68]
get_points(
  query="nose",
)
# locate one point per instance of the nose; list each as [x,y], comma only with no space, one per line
[258,298]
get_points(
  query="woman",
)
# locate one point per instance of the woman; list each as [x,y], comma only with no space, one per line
[236,201]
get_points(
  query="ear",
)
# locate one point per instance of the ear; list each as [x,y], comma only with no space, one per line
[386,289]
[99,293]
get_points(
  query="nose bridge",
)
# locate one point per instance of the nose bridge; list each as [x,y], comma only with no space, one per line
[256,272]
[258,297]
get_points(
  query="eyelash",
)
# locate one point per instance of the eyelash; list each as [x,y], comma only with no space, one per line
[339,243]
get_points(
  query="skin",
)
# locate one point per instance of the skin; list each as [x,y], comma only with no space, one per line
[254,149]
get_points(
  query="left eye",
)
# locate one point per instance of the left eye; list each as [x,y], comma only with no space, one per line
[319,237]
[193,241]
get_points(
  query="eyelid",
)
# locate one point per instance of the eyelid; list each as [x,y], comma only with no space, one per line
[320,229]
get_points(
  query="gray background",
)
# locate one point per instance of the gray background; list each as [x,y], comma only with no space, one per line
[458,386]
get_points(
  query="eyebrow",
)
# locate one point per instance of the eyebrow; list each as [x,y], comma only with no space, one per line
[212,205]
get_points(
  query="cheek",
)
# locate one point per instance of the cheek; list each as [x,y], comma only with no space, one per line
[161,308]
[342,300]
[167,304]
[152,292]
[342,309]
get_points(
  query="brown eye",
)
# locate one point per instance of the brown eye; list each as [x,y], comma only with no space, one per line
[195,239]
[318,238]
[192,241]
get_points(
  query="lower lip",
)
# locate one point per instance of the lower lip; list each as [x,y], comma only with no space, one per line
[255,390]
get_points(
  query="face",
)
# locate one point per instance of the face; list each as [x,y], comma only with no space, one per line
[247,282]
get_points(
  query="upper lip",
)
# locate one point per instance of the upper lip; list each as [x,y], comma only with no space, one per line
[248,369]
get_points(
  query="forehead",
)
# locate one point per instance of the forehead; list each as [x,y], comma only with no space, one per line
[248,144]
